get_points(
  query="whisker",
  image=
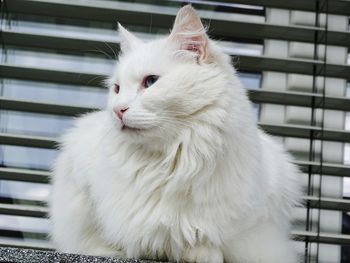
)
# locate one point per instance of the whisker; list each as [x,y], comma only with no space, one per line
[150,117]
[115,54]
[97,50]
[176,112]
[173,119]
[95,78]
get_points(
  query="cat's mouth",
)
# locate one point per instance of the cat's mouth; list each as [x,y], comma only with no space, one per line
[128,128]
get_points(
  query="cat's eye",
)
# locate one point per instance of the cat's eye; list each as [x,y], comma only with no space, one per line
[149,80]
[116,88]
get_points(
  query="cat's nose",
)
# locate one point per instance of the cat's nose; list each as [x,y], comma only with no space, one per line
[119,111]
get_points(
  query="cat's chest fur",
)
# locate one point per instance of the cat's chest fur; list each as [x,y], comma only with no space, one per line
[126,188]
[134,212]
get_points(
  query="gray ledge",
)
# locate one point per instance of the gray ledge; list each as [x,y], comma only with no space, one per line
[33,256]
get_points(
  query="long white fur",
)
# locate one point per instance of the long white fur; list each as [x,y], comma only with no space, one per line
[199,182]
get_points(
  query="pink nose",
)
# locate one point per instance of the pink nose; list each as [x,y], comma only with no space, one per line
[119,111]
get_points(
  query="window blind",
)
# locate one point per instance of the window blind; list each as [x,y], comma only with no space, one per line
[291,55]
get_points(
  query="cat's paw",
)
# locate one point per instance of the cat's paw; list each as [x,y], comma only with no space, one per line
[203,254]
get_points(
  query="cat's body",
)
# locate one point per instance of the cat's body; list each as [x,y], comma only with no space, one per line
[184,174]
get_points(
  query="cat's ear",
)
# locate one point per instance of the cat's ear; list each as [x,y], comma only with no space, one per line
[128,40]
[189,33]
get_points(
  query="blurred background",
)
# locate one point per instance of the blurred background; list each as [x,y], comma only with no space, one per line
[291,55]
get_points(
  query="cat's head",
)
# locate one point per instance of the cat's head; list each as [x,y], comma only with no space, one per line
[161,87]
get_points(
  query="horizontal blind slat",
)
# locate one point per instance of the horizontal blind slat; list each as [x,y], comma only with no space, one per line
[23,210]
[291,65]
[303,131]
[10,233]
[299,99]
[328,203]
[331,169]
[322,237]
[27,141]
[24,175]
[42,74]
[41,107]
[6,242]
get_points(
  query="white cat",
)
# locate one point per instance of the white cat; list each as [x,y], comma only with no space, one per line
[175,168]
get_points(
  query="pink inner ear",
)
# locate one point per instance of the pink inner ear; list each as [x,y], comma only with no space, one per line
[194,44]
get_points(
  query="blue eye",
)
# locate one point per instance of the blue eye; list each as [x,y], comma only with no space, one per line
[149,80]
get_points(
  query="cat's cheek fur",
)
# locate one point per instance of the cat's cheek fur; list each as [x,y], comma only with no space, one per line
[186,90]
